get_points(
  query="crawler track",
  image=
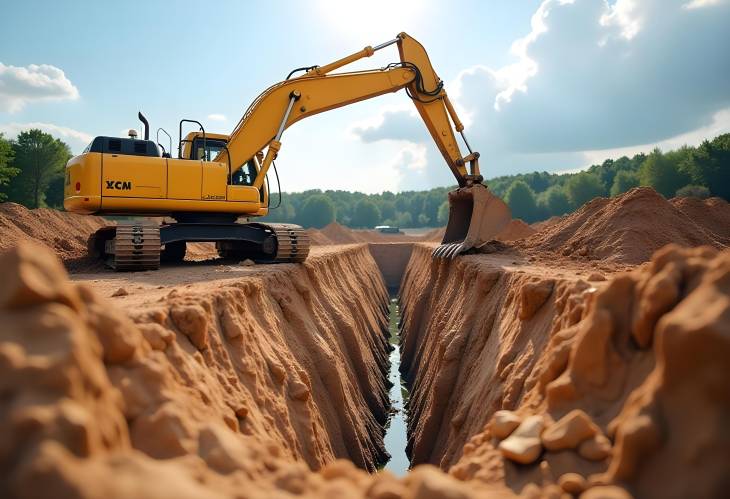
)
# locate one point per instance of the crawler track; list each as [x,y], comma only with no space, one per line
[292,243]
[136,246]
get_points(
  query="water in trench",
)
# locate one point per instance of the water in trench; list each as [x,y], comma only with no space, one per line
[395,436]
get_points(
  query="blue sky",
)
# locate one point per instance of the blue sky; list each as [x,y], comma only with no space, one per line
[550,85]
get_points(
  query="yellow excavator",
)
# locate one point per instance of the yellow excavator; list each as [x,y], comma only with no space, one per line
[217,180]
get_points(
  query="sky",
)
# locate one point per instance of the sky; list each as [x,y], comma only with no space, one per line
[550,85]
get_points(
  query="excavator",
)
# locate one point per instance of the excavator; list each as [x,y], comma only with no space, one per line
[219,182]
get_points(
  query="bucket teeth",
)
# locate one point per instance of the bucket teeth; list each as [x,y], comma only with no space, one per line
[475,217]
[449,250]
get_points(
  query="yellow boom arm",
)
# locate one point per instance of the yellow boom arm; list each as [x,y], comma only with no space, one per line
[317,91]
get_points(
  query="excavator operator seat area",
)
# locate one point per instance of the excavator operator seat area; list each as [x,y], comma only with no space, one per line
[246,175]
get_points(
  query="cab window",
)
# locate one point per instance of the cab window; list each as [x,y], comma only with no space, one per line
[246,175]
[207,150]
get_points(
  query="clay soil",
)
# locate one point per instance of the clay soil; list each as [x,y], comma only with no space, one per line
[588,356]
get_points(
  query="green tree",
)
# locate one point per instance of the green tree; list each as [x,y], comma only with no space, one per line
[693,191]
[443,214]
[54,192]
[663,174]
[556,201]
[521,200]
[282,214]
[317,211]
[40,159]
[404,220]
[709,165]
[367,214]
[7,171]
[582,187]
[387,209]
[624,181]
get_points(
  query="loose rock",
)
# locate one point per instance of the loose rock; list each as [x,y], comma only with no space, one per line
[596,448]
[504,422]
[569,431]
[572,483]
[524,445]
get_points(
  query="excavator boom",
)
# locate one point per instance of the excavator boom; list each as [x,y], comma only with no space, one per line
[319,90]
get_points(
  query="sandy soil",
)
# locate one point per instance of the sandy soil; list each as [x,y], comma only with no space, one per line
[603,372]
[559,362]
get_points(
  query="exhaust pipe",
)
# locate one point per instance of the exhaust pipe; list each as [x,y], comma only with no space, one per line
[475,217]
[146,125]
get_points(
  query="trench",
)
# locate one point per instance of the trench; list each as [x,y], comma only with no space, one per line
[277,372]
[392,260]
[396,433]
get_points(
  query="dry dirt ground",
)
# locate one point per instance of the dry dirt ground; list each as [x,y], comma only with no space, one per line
[588,355]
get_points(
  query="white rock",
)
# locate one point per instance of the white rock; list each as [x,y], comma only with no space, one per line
[524,445]
[504,423]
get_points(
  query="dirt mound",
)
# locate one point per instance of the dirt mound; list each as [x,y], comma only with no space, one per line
[335,233]
[544,224]
[516,229]
[317,238]
[552,385]
[65,233]
[712,214]
[434,235]
[339,234]
[626,229]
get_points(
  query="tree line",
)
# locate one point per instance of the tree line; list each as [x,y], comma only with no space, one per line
[700,171]
[32,174]
[32,169]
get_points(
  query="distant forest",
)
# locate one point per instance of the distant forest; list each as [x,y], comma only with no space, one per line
[32,174]
[701,171]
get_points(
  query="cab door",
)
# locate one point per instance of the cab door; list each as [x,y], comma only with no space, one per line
[184,179]
[130,176]
[215,180]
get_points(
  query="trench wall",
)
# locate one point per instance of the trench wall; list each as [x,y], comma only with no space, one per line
[289,365]
[473,331]
[597,371]
[392,260]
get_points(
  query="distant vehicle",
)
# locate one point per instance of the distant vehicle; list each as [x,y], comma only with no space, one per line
[387,229]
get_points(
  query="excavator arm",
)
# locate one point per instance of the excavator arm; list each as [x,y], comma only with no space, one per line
[475,215]
[316,91]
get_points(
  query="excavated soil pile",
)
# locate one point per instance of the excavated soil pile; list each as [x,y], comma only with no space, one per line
[603,389]
[65,233]
[335,233]
[544,224]
[338,234]
[712,214]
[626,229]
[516,229]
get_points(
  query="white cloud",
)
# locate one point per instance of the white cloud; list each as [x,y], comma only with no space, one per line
[698,4]
[20,85]
[76,139]
[590,76]
[217,117]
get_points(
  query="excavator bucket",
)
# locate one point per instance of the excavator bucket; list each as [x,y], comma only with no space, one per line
[475,217]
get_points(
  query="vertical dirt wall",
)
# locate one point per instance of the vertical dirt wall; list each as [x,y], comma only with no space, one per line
[288,365]
[533,378]
[471,336]
[392,259]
